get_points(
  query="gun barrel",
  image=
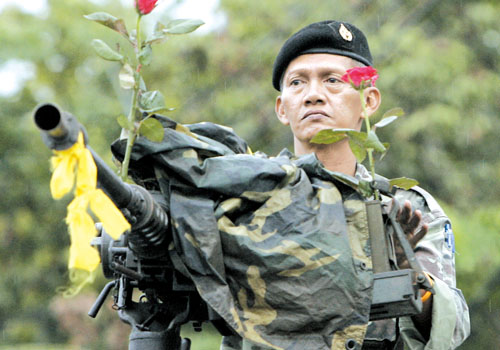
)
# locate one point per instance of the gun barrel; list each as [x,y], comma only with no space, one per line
[59,129]
[149,236]
[48,118]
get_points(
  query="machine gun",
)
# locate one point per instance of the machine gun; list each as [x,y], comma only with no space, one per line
[140,259]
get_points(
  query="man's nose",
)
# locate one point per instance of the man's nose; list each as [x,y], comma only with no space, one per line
[315,94]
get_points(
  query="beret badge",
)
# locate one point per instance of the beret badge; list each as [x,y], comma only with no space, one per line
[345,33]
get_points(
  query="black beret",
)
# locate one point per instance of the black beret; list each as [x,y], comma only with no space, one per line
[338,38]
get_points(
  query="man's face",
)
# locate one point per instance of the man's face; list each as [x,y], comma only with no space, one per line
[313,97]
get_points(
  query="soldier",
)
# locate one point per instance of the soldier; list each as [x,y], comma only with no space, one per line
[307,73]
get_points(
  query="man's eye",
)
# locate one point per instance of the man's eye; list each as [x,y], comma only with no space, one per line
[333,80]
[295,82]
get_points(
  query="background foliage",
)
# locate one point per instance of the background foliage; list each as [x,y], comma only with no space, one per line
[438,60]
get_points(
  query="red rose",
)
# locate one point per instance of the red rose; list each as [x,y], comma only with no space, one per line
[145,6]
[361,77]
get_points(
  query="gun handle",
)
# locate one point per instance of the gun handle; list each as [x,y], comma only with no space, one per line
[100,299]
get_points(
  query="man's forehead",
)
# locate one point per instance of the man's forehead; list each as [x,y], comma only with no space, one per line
[321,61]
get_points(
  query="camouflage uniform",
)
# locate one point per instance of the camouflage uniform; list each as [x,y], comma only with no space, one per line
[278,247]
[450,315]
[435,252]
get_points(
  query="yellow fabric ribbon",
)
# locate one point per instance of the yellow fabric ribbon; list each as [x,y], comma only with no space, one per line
[77,162]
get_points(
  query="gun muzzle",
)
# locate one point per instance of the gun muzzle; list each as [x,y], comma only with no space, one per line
[59,129]
[149,236]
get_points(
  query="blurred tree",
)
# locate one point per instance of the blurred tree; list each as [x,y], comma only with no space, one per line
[33,238]
[438,60]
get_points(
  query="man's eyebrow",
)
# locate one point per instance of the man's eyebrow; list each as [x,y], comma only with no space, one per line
[299,71]
[329,70]
[321,70]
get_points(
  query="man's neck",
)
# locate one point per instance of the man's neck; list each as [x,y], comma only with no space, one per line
[334,157]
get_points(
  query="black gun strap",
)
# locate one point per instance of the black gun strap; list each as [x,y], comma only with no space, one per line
[410,255]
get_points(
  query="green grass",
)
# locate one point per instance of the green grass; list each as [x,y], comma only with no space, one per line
[208,339]
[37,347]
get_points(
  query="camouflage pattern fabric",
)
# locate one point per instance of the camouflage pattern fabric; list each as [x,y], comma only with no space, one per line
[278,246]
[450,323]
[435,253]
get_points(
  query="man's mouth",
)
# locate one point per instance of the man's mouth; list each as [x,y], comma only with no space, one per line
[317,114]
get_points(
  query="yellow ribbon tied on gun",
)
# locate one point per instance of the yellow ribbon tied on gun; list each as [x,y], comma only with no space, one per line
[77,162]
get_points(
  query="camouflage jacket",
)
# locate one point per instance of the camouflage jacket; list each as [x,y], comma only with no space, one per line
[450,315]
[435,253]
[278,246]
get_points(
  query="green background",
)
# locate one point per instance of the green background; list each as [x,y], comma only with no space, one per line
[438,60]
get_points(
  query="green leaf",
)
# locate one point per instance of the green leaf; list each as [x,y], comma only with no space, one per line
[126,77]
[142,84]
[373,142]
[357,140]
[151,129]
[358,149]
[365,188]
[182,26]
[328,136]
[165,109]
[146,55]
[403,182]
[157,36]
[355,135]
[385,121]
[152,101]
[104,51]
[397,111]
[386,145]
[109,21]
[125,123]
[133,36]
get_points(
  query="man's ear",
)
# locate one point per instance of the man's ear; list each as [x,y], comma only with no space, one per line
[373,98]
[280,111]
